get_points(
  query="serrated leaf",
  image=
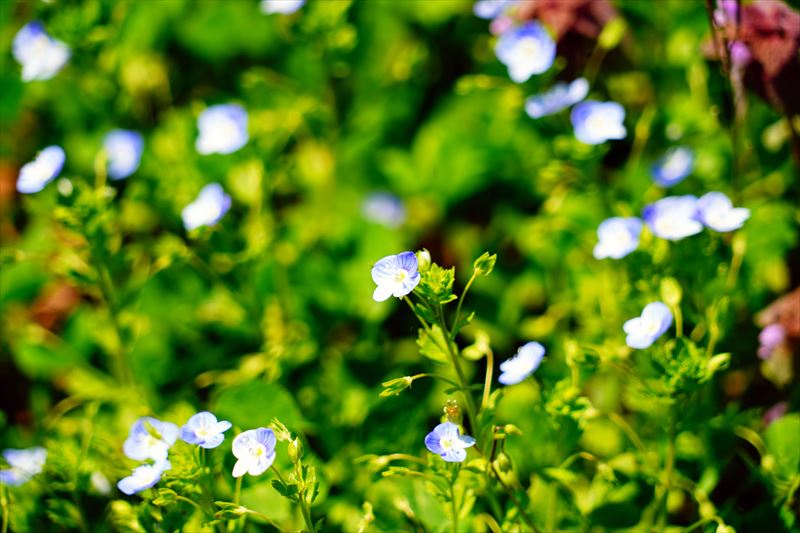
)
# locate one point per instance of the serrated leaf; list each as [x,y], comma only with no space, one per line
[434,345]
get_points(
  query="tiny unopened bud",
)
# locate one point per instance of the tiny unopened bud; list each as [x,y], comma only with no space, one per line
[423,260]
[452,411]
[503,462]
[295,450]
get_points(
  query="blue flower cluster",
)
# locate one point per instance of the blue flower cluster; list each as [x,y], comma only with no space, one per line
[24,464]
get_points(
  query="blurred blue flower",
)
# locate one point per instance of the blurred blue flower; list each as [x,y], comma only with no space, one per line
[255,451]
[124,150]
[526,50]
[150,438]
[40,55]
[716,211]
[143,477]
[446,440]
[673,217]
[44,168]
[642,331]
[491,9]
[385,209]
[24,465]
[284,7]
[528,358]
[210,206]
[617,237]
[673,167]
[204,430]
[596,122]
[560,96]
[395,275]
[223,129]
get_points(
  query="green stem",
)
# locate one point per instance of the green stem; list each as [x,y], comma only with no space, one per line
[237,492]
[669,465]
[192,503]
[487,382]
[454,507]
[436,376]
[4,505]
[628,430]
[460,302]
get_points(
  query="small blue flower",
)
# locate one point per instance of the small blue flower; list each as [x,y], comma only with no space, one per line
[642,331]
[596,122]
[223,129]
[673,167]
[491,9]
[716,211]
[150,438]
[395,275]
[40,55]
[385,209]
[446,440]
[24,465]
[284,7]
[528,358]
[526,50]
[204,430]
[124,150]
[143,477]
[255,451]
[673,218]
[44,168]
[559,97]
[210,206]
[617,237]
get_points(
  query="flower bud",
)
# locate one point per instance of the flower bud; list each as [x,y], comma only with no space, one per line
[452,411]
[295,450]
[423,260]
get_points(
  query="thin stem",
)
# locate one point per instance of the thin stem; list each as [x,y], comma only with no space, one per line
[628,430]
[237,492]
[192,503]
[405,457]
[436,376]
[4,505]
[669,465]
[454,507]
[487,383]
[306,513]
[678,321]
[460,302]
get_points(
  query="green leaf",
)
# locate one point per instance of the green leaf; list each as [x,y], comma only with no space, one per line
[782,438]
[285,490]
[434,346]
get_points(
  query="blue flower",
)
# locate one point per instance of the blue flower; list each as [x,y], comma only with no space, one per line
[204,430]
[617,237]
[223,129]
[716,211]
[528,358]
[395,275]
[446,440]
[673,167]
[124,150]
[673,217]
[526,50]
[559,97]
[643,331]
[385,209]
[40,55]
[143,477]
[596,122]
[44,168]
[255,451]
[24,465]
[491,9]
[284,7]
[150,438]
[211,205]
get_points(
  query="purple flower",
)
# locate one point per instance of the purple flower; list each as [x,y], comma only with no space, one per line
[255,451]
[40,55]
[491,9]
[673,167]
[446,440]
[526,50]
[143,477]
[385,209]
[559,97]
[522,365]
[150,438]
[223,129]
[24,465]
[210,206]
[45,167]
[770,339]
[642,331]
[673,218]
[124,150]
[596,122]
[395,275]
[204,430]
[716,211]
[617,237]
[774,413]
